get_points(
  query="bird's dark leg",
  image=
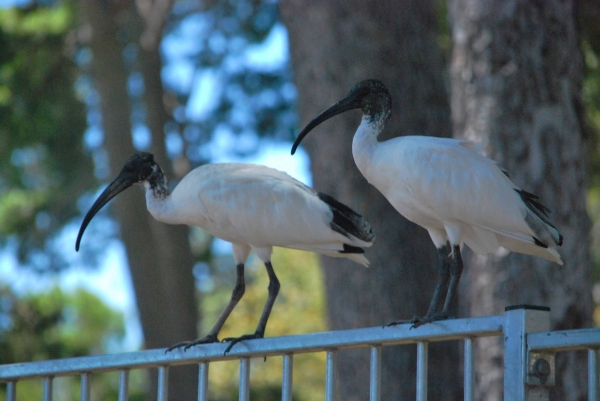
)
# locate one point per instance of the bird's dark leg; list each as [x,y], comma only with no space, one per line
[262,323]
[442,285]
[211,337]
[455,271]
[443,276]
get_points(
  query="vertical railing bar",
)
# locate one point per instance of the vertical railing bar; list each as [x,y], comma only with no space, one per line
[85,386]
[286,382]
[330,375]
[47,389]
[468,373]
[11,391]
[375,381]
[163,383]
[203,381]
[124,385]
[244,379]
[422,357]
[593,394]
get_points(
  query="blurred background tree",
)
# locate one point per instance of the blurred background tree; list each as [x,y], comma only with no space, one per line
[517,73]
[85,84]
[395,42]
[54,324]
[43,167]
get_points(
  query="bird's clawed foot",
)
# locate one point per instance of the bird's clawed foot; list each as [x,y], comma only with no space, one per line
[397,322]
[209,339]
[418,321]
[234,340]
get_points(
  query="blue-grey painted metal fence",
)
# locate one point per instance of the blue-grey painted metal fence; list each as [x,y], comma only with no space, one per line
[529,350]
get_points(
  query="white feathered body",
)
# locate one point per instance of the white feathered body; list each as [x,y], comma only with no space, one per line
[454,192]
[255,206]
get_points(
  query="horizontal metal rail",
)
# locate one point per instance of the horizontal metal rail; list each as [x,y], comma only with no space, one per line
[565,340]
[318,342]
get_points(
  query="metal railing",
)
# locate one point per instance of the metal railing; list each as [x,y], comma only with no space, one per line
[529,350]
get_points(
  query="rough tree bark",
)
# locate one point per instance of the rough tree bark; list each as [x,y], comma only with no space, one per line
[333,46]
[159,256]
[516,83]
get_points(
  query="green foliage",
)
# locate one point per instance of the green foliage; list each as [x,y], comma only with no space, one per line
[18,206]
[43,168]
[54,325]
[299,309]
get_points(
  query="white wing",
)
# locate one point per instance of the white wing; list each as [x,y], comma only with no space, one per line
[259,206]
[445,183]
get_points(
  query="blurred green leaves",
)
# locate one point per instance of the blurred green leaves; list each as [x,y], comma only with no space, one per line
[56,324]
[299,309]
[43,166]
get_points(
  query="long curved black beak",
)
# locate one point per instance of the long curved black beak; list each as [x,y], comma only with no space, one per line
[350,102]
[121,183]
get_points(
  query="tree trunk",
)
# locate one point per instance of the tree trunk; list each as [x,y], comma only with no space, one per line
[159,257]
[334,46]
[516,83]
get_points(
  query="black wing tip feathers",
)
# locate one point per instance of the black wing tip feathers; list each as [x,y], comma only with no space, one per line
[346,221]
[532,201]
[352,249]
[539,243]
[331,201]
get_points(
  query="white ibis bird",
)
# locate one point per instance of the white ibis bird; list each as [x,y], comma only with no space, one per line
[447,187]
[255,208]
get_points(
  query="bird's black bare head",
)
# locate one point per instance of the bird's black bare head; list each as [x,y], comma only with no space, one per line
[140,168]
[370,96]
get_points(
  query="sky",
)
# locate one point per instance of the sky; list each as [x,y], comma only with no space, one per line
[111,282]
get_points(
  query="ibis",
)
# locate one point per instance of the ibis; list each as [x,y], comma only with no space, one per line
[447,187]
[252,206]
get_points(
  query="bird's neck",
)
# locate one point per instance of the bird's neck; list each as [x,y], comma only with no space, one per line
[365,141]
[158,199]
[156,185]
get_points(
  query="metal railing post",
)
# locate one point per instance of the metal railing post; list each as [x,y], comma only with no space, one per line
[518,321]
[11,391]
[468,379]
[375,373]
[244,379]
[47,396]
[330,375]
[124,385]
[422,361]
[593,375]
[203,381]
[287,378]
[163,383]
[85,386]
